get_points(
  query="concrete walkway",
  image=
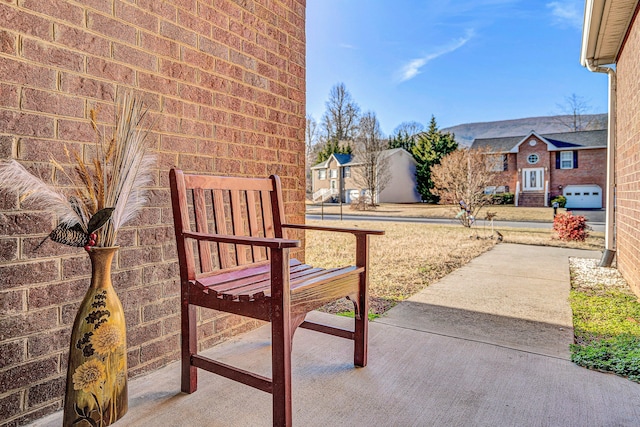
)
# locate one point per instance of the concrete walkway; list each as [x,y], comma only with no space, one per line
[485,346]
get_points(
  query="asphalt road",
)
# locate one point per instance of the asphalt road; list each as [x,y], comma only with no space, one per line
[595,226]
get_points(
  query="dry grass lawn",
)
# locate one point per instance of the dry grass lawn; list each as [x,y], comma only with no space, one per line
[411,256]
[423,210]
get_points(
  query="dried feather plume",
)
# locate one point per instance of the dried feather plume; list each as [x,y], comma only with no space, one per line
[108,191]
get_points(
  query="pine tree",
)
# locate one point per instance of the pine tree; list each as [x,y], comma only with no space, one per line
[333,146]
[431,146]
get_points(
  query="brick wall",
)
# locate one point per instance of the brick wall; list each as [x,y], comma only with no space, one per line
[224,80]
[628,159]
[592,169]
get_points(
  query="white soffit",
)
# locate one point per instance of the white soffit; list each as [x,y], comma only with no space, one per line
[604,29]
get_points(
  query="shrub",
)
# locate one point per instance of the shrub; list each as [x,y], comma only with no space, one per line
[502,199]
[562,201]
[570,227]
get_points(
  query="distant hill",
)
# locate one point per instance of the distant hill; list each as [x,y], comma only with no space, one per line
[466,133]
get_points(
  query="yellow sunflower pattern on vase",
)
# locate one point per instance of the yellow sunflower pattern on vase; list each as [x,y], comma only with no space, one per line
[99,378]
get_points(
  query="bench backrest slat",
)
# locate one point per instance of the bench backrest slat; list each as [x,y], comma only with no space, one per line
[224,205]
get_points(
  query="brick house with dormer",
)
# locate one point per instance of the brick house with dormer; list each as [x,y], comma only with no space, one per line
[537,168]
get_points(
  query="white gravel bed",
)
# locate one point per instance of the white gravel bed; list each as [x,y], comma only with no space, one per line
[585,274]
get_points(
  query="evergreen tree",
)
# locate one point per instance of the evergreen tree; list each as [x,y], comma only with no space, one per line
[402,140]
[430,147]
[333,146]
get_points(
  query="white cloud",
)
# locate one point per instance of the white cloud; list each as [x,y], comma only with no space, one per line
[347,46]
[566,12]
[413,67]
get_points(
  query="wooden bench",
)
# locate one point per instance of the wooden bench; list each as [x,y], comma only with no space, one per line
[234,257]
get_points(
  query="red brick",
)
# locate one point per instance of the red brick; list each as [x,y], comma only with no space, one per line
[69,130]
[7,42]
[56,9]
[133,257]
[192,127]
[161,309]
[11,302]
[182,35]
[179,71]
[214,48]
[50,55]
[143,333]
[21,376]
[156,83]
[9,96]
[228,8]
[8,250]
[195,94]
[197,162]
[82,40]
[159,45]
[228,69]
[46,391]
[22,21]
[11,405]
[83,86]
[213,15]
[57,293]
[110,27]
[27,74]
[138,58]
[110,70]
[188,5]
[100,5]
[136,16]
[75,267]
[198,25]
[197,59]
[166,346]
[226,38]
[54,341]
[163,8]
[14,224]
[54,103]
[21,325]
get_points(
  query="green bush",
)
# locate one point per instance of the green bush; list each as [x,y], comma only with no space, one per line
[502,199]
[562,201]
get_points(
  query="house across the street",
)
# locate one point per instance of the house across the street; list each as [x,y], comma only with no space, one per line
[537,168]
[337,178]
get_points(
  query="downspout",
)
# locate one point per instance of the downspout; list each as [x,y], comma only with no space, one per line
[609,237]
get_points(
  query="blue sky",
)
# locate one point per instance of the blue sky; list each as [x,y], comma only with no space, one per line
[460,60]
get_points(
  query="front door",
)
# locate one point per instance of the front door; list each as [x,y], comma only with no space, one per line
[533,179]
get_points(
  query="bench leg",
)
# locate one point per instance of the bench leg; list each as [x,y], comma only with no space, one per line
[189,346]
[362,317]
[281,336]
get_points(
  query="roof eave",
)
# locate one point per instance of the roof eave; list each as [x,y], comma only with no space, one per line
[604,29]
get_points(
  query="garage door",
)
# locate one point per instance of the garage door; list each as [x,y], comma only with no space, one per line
[583,196]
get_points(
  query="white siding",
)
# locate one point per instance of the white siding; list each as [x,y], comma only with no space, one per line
[402,185]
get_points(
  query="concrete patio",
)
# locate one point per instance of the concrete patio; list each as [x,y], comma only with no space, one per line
[485,346]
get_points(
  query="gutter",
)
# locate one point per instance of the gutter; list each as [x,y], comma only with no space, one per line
[610,251]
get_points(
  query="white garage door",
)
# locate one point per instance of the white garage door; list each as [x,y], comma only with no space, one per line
[583,196]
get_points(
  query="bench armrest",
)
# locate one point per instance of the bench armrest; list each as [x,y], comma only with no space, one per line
[267,242]
[354,231]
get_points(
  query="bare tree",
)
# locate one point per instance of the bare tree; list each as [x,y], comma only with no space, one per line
[311,145]
[574,113]
[461,179]
[410,129]
[340,120]
[374,173]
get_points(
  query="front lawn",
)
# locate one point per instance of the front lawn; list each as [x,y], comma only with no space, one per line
[606,321]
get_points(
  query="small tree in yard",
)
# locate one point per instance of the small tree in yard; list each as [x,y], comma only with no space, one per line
[461,179]
[373,174]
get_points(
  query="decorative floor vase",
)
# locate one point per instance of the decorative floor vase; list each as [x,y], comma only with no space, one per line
[96,393]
